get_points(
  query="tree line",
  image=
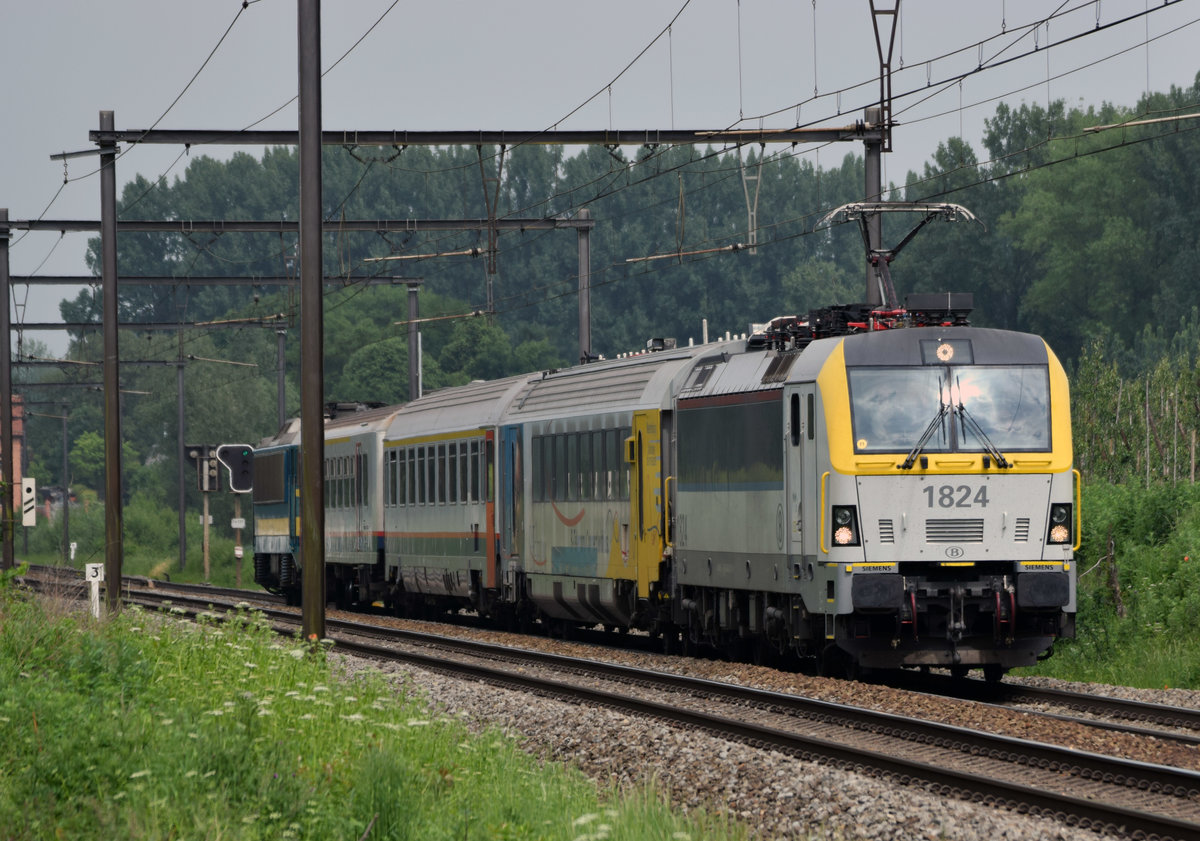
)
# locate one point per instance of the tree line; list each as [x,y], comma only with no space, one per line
[1088,240]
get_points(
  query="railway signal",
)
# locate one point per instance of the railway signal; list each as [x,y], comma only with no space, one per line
[239,459]
[207,468]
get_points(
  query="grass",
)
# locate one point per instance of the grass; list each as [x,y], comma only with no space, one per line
[134,727]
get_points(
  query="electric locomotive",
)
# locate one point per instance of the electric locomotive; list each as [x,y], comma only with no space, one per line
[885,498]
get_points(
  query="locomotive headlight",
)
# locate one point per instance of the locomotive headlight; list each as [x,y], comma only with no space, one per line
[845,525]
[1060,524]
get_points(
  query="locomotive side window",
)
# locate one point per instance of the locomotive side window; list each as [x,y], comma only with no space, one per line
[731,447]
[794,420]
[269,478]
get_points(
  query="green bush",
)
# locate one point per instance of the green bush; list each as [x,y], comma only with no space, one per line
[1138,603]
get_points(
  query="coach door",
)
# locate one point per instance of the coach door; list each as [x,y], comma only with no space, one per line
[800,422]
[644,454]
[512,495]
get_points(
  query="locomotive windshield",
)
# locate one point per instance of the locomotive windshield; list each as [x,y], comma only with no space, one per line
[892,408]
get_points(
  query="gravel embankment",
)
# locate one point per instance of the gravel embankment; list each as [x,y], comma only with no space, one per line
[777,796]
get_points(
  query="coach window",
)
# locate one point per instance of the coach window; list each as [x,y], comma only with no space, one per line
[535,460]
[339,467]
[402,476]
[597,465]
[572,467]
[460,476]
[437,473]
[609,478]
[395,478]
[490,461]
[330,483]
[419,476]
[586,477]
[335,482]
[559,491]
[410,476]
[389,468]
[623,467]
[344,490]
[361,484]
[452,472]
[473,487]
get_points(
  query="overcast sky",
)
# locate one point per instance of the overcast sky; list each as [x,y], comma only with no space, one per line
[533,64]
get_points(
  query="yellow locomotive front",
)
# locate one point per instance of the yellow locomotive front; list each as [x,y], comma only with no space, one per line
[948,507]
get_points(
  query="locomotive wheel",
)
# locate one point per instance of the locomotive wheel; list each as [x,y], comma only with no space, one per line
[764,653]
[686,646]
[835,662]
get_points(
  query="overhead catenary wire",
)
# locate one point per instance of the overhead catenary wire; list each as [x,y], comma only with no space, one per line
[599,195]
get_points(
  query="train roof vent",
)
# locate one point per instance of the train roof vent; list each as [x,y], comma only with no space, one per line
[777,371]
[657,344]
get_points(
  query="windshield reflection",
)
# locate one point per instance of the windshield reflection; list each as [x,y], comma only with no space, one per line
[891,407]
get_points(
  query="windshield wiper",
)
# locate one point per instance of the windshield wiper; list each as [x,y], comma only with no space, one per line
[938,419]
[967,421]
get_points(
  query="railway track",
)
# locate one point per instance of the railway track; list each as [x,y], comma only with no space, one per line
[1181,724]
[1101,792]
[1126,715]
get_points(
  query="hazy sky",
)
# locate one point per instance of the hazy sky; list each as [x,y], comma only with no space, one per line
[534,64]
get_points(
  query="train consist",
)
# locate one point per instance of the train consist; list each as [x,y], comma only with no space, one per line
[878,489]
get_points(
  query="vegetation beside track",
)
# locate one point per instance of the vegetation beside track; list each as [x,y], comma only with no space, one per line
[1139,590]
[133,727]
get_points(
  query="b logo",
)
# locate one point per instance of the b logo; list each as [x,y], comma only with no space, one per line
[953,552]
